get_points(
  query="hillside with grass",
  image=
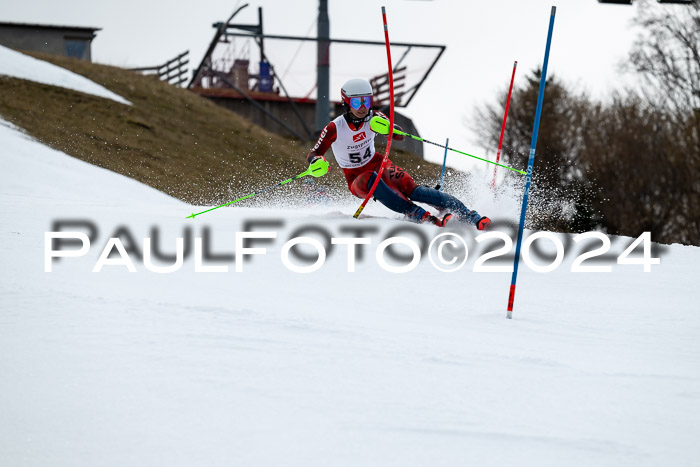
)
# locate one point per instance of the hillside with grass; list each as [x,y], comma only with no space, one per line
[170,138]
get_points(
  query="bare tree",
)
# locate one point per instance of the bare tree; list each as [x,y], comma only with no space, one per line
[557,173]
[667,55]
[647,183]
[559,137]
[630,163]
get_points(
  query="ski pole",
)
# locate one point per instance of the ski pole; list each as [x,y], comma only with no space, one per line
[381,125]
[318,169]
[444,161]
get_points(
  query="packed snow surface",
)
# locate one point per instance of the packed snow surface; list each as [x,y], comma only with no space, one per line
[267,366]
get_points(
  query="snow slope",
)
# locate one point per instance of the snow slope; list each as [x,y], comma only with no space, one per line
[272,367]
[19,65]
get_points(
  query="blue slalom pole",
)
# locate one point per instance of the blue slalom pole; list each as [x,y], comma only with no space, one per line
[530,163]
[444,160]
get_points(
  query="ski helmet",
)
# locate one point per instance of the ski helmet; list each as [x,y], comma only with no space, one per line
[356,93]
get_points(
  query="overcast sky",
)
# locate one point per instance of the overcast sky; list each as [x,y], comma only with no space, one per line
[483,38]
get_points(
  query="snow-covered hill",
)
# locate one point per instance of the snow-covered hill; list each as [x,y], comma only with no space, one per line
[267,366]
[19,65]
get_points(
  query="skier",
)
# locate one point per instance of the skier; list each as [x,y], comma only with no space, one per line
[352,141]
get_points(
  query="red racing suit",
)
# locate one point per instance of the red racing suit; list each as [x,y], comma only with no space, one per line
[353,148]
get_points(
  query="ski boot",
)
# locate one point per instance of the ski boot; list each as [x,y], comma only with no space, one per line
[482,223]
[439,221]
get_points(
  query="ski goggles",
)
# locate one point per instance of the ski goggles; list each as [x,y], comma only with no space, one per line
[357,102]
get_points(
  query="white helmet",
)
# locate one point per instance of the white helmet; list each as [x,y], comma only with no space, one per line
[357,87]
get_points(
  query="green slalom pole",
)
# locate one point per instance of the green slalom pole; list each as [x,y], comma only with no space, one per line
[381,125]
[318,169]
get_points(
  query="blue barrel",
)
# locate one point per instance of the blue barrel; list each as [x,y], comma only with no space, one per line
[265,80]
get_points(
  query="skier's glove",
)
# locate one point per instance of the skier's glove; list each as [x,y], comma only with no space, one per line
[318,166]
[315,158]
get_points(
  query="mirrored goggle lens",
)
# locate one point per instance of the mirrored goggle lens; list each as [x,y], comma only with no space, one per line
[357,102]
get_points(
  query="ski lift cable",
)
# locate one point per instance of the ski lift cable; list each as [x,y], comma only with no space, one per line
[301,44]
